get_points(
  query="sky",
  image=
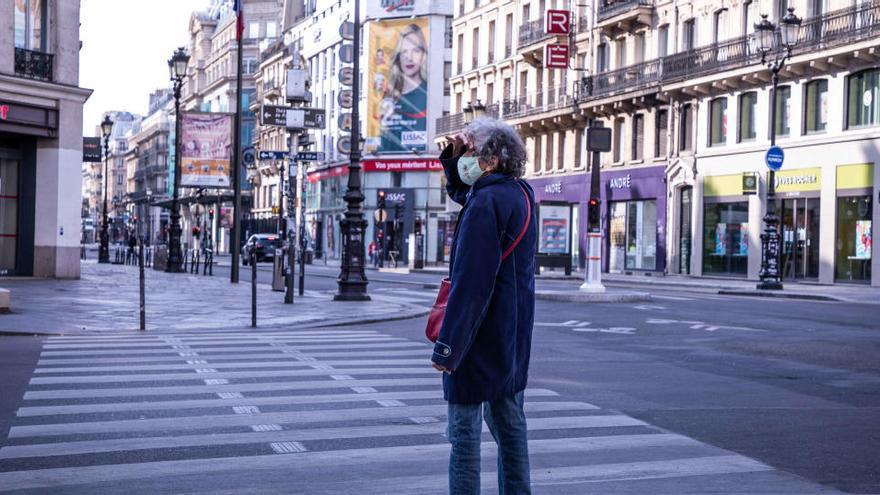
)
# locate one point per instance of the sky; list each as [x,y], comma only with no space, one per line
[126,45]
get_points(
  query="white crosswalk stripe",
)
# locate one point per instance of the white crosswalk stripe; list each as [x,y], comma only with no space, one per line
[314,405]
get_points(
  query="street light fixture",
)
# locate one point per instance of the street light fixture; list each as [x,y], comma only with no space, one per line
[468,113]
[177,69]
[104,249]
[765,34]
[478,109]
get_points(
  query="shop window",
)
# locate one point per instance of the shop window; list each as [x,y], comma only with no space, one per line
[661,133]
[686,130]
[816,106]
[854,239]
[718,121]
[726,238]
[783,111]
[638,137]
[632,236]
[863,99]
[747,104]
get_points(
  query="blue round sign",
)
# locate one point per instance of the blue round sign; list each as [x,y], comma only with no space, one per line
[774,158]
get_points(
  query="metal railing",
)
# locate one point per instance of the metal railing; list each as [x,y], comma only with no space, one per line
[34,65]
[532,32]
[454,123]
[609,8]
[542,101]
[627,78]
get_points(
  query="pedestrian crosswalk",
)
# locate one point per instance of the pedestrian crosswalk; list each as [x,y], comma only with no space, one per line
[311,411]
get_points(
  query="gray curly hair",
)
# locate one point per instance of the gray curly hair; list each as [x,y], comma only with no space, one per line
[494,138]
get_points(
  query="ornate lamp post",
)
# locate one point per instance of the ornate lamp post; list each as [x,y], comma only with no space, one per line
[177,67]
[478,109]
[468,114]
[765,34]
[104,249]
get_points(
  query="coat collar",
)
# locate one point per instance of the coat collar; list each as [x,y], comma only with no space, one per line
[492,179]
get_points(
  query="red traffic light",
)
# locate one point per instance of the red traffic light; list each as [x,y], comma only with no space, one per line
[381,194]
[593,202]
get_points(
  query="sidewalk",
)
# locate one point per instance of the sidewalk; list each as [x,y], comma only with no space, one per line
[105,299]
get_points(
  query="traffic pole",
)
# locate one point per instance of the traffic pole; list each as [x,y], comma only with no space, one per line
[598,140]
[253,294]
[291,216]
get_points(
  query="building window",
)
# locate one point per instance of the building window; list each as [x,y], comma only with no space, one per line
[447,33]
[460,63]
[475,49]
[725,238]
[638,137]
[640,48]
[632,236]
[254,30]
[620,56]
[602,57]
[863,99]
[618,140]
[661,133]
[686,130]
[548,152]
[30,18]
[718,121]
[783,111]
[490,94]
[491,42]
[447,74]
[663,41]
[816,106]
[748,102]
[537,165]
[579,148]
[271,29]
[853,256]
[560,152]
[720,25]
[508,36]
[750,16]
[689,35]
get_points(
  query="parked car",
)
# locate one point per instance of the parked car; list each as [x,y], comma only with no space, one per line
[260,247]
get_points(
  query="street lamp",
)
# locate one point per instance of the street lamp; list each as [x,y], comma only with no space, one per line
[468,113]
[177,68]
[478,109]
[104,249]
[765,34]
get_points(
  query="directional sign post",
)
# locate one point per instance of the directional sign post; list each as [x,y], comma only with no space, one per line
[774,158]
[274,115]
[294,118]
[272,155]
[310,156]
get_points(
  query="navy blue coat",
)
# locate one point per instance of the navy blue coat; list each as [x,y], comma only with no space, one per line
[486,335]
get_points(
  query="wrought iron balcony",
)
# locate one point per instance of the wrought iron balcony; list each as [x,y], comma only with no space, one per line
[34,65]
[611,8]
[628,78]
[539,102]
[532,32]
[454,123]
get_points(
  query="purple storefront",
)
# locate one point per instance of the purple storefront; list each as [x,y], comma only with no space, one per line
[562,214]
[634,219]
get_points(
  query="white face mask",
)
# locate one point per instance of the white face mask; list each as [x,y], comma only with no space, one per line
[469,169]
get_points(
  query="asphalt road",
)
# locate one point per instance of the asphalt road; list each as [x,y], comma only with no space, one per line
[781,396]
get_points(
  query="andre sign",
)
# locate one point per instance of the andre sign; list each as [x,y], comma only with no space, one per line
[556,54]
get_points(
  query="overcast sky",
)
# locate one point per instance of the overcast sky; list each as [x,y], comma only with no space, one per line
[126,45]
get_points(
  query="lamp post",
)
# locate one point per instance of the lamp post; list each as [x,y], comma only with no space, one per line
[765,34]
[148,235]
[104,249]
[352,279]
[177,67]
[468,114]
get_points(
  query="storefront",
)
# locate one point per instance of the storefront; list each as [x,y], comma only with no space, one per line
[562,217]
[725,225]
[798,193]
[854,229]
[634,219]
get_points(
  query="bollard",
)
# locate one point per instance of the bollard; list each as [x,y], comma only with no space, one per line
[253,293]
[142,288]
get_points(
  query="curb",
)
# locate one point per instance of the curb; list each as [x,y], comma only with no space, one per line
[587,297]
[781,295]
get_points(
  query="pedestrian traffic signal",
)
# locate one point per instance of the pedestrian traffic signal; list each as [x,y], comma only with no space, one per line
[593,214]
[380,201]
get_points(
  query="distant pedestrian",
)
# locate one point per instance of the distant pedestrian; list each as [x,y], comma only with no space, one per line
[371,249]
[484,343]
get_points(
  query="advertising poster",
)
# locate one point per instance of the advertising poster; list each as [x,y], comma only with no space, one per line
[863,239]
[721,239]
[206,150]
[397,86]
[743,239]
[554,222]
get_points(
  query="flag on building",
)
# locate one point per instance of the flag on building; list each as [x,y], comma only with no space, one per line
[238,8]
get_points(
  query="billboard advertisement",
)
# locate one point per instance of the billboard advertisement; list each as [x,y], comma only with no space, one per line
[397,86]
[205,149]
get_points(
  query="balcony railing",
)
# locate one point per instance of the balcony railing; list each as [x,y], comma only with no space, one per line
[611,8]
[627,78]
[33,65]
[532,32]
[454,123]
[539,102]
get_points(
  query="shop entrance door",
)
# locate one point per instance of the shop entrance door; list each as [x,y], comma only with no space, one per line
[684,230]
[800,238]
[8,215]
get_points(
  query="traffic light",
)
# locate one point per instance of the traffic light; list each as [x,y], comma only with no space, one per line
[418,225]
[593,214]
[380,202]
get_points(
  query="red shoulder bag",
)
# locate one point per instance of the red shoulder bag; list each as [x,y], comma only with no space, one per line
[438,311]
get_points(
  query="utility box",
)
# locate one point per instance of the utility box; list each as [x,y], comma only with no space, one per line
[297,85]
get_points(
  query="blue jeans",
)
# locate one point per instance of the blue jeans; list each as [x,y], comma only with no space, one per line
[507,423]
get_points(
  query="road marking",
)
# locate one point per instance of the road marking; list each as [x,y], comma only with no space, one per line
[246,410]
[420,350]
[222,395]
[287,447]
[293,417]
[364,390]
[568,324]
[672,298]
[649,307]
[617,330]
[424,425]
[240,351]
[390,403]
[700,325]
[215,365]
[216,381]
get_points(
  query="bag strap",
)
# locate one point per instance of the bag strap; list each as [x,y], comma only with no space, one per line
[525,227]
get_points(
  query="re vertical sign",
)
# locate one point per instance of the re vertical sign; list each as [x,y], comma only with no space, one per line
[556,55]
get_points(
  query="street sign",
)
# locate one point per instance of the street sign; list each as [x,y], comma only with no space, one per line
[774,158]
[273,115]
[599,139]
[344,122]
[310,156]
[272,155]
[556,56]
[345,98]
[346,30]
[343,145]
[315,118]
[558,21]
[91,149]
[346,54]
[346,76]
[247,156]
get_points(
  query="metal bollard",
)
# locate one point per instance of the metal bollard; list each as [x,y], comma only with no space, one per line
[143,308]
[253,294]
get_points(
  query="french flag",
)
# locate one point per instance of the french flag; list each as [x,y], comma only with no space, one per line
[238,8]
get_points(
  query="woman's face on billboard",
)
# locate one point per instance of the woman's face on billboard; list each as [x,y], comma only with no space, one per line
[412,55]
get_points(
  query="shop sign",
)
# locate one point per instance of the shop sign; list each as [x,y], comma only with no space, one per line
[4,112]
[425,165]
[723,185]
[750,183]
[802,180]
[556,56]
[554,188]
[558,21]
[858,176]
[91,149]
[623,182]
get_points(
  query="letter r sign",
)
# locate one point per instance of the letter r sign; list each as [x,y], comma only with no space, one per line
[558,21]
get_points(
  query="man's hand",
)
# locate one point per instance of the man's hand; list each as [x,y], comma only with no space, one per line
[441,368]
